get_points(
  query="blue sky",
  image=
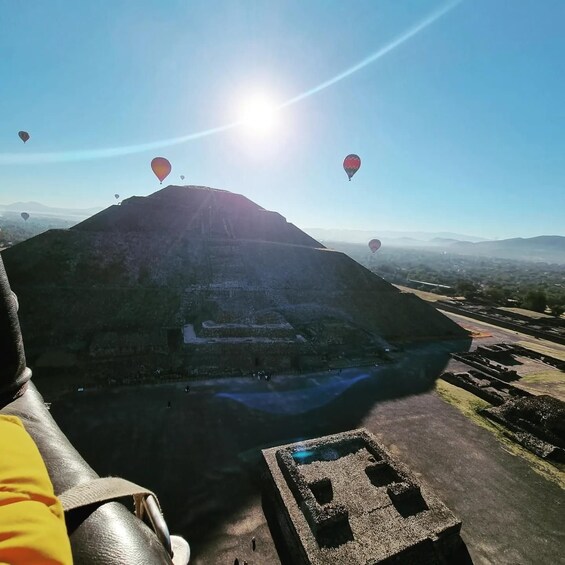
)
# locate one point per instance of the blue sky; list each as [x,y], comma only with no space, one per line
[460,128]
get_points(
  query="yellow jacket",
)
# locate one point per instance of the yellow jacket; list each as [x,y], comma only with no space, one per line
[32,523]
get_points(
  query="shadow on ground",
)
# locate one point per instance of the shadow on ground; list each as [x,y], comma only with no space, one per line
[202,454]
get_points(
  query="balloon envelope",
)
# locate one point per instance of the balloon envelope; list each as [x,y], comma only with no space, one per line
[351,164]
[24,135]
[182,177]
[25,216]
[116,196]
[161,167]
[374,245]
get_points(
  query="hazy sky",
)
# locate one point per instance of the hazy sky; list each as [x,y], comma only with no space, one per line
[460,124]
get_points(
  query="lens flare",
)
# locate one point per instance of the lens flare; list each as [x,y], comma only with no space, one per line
[259,117]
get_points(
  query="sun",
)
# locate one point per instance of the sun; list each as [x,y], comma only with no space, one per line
[259,114]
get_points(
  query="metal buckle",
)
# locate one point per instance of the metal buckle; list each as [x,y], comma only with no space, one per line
[151,508]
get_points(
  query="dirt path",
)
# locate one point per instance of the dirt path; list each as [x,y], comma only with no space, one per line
[510,513]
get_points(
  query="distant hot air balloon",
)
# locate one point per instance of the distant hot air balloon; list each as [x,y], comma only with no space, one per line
[182,177]
[161,167]
[374,245]
[351,164]
[25,216]
[116,196]
[24,135]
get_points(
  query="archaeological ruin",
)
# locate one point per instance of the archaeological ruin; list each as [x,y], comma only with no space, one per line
[342,499]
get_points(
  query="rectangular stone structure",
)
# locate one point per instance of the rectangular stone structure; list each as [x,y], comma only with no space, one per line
[343,499]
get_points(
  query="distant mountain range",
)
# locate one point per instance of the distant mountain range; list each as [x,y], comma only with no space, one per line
[547,248]
[36,208]
[550,248]
[415,238]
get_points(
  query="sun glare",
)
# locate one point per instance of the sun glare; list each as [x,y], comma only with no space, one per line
[259,114]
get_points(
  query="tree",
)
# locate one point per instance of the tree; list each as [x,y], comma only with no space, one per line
[466,288]
[496,294]
[557,310]
[556,305]
[535,300]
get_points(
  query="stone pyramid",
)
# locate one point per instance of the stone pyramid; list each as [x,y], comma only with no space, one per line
[199,281]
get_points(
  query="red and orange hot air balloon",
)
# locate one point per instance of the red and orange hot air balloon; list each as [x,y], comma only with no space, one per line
[374,245]
[351,164]
[161,167]
[24,135]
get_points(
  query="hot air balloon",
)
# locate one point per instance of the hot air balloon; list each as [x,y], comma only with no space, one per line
[25,216]
[116,196]
[161,167]
[182,177]
[374,245]
[351,164]
[24,135]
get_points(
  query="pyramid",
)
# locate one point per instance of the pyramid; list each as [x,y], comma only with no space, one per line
[199,281]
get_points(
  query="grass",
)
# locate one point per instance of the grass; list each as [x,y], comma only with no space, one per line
[469,405]
[467,402]
[545,382]
[558,351]
[551,376]
[523,312]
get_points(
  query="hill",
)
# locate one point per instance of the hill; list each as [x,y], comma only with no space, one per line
[397,238]
[548,248]
[544,248]
[39,209]
[192,280]
[13,229]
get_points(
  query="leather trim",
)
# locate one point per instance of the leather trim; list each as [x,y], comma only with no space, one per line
[13,371]
[105,534]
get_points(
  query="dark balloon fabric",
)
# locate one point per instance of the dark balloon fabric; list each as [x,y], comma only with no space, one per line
[351,164]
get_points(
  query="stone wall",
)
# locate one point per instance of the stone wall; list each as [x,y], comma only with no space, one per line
[557,335]
[344,499]
[210,328]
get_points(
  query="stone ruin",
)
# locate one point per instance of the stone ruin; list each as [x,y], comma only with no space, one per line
[479,361]
[495,391]
[342,499]
[505,353]
[537,422]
